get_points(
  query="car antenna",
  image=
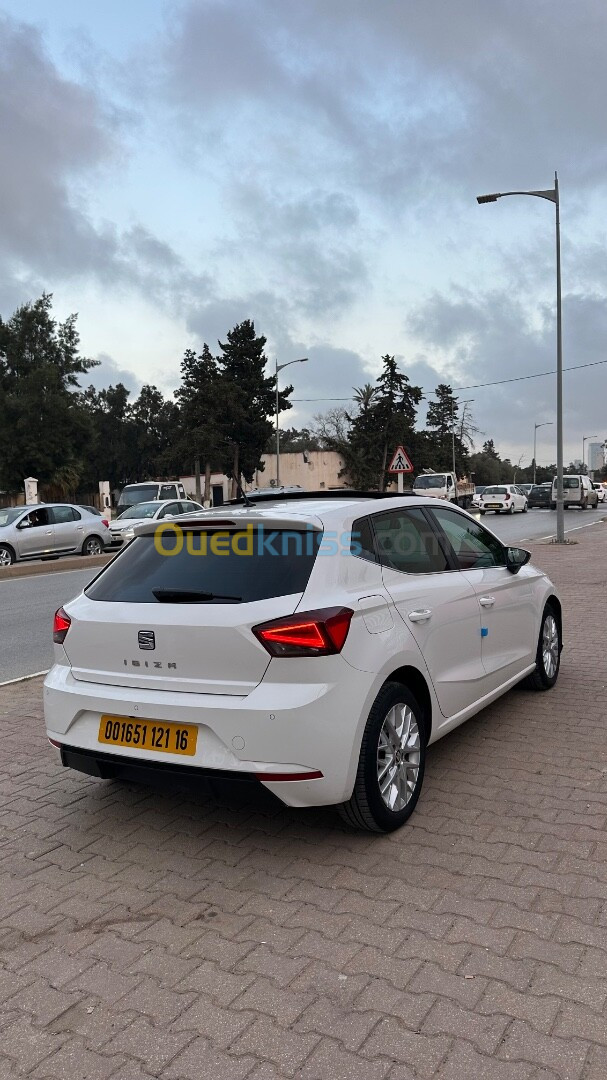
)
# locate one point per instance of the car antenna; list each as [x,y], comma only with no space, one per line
[242,494]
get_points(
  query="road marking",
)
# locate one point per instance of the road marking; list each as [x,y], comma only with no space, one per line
[49,573]
[576,528]
[24,678]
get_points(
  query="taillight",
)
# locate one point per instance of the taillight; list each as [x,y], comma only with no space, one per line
[61,626]
[507,496]
[309,633]
[105,522]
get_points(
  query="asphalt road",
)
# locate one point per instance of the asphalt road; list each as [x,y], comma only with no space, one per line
[27,604]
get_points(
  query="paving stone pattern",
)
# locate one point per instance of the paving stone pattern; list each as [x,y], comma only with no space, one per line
[164,933]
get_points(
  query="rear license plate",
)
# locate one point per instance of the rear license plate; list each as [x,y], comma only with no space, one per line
[493,506]
[166,738]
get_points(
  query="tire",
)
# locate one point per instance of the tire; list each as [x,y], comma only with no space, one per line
[395,727]
[548,656]
[93,545]
[511,508]
[7,555]
[482,512]
[553,506]
[525,508]
[584,504]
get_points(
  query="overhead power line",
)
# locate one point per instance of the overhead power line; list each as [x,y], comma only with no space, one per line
[478,386]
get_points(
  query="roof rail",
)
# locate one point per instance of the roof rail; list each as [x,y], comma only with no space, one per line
[337,493]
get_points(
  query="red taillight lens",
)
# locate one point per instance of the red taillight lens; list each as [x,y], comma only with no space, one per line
[105,522]
[311,633]
[61,626]
[507,496]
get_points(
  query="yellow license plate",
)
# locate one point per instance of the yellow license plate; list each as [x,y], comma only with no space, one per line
[164,737]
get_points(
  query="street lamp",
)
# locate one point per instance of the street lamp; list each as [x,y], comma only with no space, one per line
[548,423]
[584,441]
[456,402]
[279,367]
[552,194]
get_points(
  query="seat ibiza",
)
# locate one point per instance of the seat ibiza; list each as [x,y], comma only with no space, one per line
[316,644]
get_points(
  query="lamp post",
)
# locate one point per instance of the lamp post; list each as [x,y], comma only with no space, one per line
[279,367]
[552,195]
[584,441]
[548,423]
[456,402]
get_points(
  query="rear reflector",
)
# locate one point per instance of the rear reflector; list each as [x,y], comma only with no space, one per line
[61,626]
[311,633]
[54,743]
[267,776]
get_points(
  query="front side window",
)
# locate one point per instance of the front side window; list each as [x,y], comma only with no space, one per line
[36,519]
[407,542]
[474,548]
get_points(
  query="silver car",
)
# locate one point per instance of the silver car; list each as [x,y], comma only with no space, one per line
[33,532]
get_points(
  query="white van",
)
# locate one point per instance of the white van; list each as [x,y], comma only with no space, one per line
[149,491]
[577,491]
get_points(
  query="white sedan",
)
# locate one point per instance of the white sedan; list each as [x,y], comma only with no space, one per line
[503,499]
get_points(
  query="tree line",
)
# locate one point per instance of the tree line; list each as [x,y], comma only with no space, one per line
[70,435]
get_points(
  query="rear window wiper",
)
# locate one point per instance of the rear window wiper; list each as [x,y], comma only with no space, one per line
[190,596]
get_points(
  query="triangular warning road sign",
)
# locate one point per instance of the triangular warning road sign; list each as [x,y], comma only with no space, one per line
[401,461]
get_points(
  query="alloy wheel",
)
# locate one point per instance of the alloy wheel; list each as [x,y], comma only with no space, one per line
[398,757]
[93,547]
[550,645]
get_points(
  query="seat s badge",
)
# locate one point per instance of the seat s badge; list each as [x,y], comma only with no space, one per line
[146,640]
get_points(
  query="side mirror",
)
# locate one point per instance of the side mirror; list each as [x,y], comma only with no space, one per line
[515,558]
[169,517]
[25,524]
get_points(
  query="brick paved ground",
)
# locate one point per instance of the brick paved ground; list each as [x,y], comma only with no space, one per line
[147,934]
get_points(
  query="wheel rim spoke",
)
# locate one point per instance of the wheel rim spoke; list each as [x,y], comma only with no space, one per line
[398,757]
[550,646]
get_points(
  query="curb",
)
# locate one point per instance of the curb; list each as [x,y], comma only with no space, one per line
[24,678]
[77,562]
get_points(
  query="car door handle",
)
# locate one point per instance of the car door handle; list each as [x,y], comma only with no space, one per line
[420,616]
[79,528]
[49,532]
[486,601]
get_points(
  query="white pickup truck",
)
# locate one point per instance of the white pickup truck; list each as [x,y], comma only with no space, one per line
[446,486]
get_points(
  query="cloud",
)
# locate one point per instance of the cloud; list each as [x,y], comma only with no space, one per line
[60,138]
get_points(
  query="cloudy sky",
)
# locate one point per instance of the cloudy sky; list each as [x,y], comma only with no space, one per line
[171,168]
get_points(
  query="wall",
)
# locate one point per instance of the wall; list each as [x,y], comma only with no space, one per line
[320,471]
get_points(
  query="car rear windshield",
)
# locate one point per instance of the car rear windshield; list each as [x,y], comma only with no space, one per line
[131,495]
[571,482]
[210,567]
[495,491]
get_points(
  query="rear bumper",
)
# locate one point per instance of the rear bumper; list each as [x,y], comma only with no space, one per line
[297,728]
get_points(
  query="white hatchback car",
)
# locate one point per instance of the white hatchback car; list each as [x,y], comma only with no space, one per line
[317,645]
[503,499]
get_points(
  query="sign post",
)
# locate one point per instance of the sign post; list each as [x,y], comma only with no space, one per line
[400,464]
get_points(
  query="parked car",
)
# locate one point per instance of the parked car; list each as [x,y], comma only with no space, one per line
[49,529]
[525,488]
[577,491]
[476,498]
[539,497]
[503,499]
[316,646]
[122,529]
[155,490]
[600,491]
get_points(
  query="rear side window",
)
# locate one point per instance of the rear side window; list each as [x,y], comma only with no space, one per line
[212,566]
[65,513]
[407,542]
[362,544]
